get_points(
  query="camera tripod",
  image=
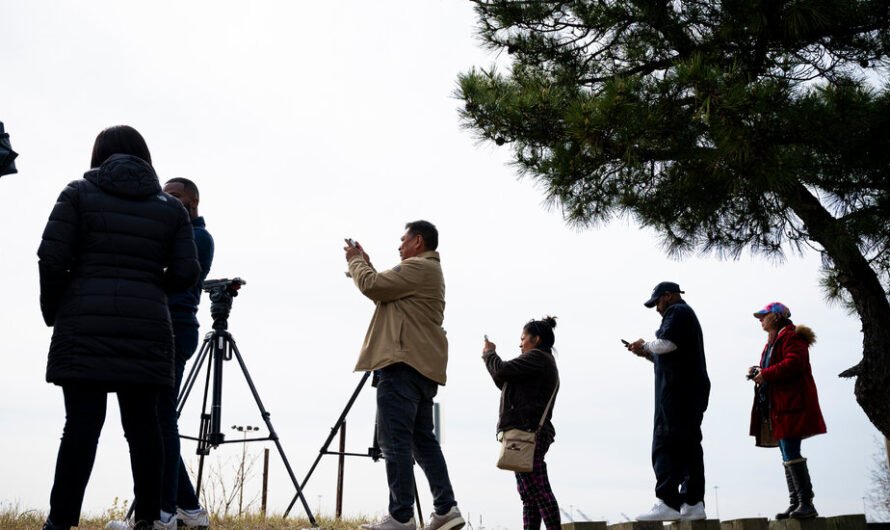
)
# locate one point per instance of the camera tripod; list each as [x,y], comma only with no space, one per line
[373,453]
[219,346]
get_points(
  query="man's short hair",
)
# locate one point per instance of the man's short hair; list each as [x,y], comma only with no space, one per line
[427,232]
[189,186]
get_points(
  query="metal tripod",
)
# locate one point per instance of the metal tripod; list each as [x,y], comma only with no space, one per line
[373,452]
[219,346]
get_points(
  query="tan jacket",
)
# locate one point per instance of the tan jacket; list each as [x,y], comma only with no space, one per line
[407,324]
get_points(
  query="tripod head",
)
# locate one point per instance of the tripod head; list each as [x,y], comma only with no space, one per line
[221,293]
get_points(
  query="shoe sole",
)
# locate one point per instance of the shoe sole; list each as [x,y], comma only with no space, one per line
[455,524]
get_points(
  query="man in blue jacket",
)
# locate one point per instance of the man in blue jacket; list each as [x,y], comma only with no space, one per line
[178,495]
[682,389]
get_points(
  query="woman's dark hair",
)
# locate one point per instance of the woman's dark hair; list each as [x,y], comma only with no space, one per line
[119,140]
[543,329]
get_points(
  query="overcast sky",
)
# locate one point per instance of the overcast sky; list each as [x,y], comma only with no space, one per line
[304,123]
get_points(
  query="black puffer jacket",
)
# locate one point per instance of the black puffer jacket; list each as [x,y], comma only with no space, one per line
[530,380]
[113,247]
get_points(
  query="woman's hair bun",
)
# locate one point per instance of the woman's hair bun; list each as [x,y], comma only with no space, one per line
[550,321]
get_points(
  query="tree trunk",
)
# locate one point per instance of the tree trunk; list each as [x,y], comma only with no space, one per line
[860,280]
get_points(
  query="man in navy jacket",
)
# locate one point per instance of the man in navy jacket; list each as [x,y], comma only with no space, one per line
[178,494]
[682,389]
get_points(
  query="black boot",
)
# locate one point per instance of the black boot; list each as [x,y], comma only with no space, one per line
[792,496]
[801,477]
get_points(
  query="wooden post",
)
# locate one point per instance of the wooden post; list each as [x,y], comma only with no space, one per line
[585,525]
[817,523]
[756,523]
[341,463]
[846,522]
[702,524]
[637,525]
[887,447]
[265,481]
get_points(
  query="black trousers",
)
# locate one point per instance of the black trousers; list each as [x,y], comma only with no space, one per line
[85,406]
[678,462]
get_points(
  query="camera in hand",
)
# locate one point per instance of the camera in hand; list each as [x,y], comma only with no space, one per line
[752,373]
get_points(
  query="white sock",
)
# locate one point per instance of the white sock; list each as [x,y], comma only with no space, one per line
[165,517]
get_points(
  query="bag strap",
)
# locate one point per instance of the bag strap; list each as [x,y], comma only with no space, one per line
[549,404]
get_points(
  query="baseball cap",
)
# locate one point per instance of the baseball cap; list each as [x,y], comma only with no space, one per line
[776,307]
[660,289]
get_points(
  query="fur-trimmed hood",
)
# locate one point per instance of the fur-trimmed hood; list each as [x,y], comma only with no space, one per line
[806,334]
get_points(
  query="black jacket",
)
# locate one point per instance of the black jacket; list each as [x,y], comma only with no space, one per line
[530,380]
[114,245]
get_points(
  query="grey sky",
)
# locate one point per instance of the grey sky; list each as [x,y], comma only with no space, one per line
[304,123]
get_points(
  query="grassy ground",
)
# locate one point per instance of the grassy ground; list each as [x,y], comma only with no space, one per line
[12,518]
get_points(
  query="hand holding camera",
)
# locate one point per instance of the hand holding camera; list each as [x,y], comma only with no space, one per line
[487,346]
[753,372]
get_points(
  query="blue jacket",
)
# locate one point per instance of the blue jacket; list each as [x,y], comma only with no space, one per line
[682,386]
[184,304]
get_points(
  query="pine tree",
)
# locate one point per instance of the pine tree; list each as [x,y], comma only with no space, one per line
[725,126]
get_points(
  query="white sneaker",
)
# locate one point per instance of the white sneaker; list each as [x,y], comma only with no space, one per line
[696,512]
[452,520]
[160,525]
[119,524]
[660,512]
[388,523]
[193,518]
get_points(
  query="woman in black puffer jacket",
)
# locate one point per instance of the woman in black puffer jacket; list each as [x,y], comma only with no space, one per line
[113,248]
[529,385]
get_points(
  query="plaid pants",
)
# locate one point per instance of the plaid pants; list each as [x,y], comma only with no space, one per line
[538,501]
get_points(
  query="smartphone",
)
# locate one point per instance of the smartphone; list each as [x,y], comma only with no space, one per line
[350,242]
[625,342]
[485,337]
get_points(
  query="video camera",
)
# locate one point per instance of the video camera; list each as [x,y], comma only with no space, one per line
[221,293]
[224,284]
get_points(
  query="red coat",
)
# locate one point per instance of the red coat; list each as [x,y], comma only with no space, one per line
[794,405]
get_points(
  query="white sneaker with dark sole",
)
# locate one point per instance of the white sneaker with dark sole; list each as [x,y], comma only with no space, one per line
[695,512]
[660,512]
[389,523]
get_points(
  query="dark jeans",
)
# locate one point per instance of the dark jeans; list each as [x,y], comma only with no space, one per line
[177,489]
[405,434]
[790,448]
[85,406]
[678,462]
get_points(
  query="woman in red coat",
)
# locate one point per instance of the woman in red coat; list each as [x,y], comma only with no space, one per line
[786,406]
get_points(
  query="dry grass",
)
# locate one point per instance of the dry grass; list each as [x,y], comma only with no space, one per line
[13,518]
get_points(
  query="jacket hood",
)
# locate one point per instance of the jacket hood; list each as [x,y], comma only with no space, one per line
[806,334]
[125,176]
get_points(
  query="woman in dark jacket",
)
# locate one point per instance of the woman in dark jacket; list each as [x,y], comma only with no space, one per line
[528,385]
[786,405]
[113,247]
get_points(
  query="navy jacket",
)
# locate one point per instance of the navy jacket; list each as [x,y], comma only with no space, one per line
[113,248]
[682,386]
[184,304]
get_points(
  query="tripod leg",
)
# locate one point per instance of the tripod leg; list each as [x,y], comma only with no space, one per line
[327,443]
[184,392]
[417,501]
[192,377]
[272,434]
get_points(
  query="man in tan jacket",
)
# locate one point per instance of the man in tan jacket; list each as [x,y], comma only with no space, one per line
[406,348]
